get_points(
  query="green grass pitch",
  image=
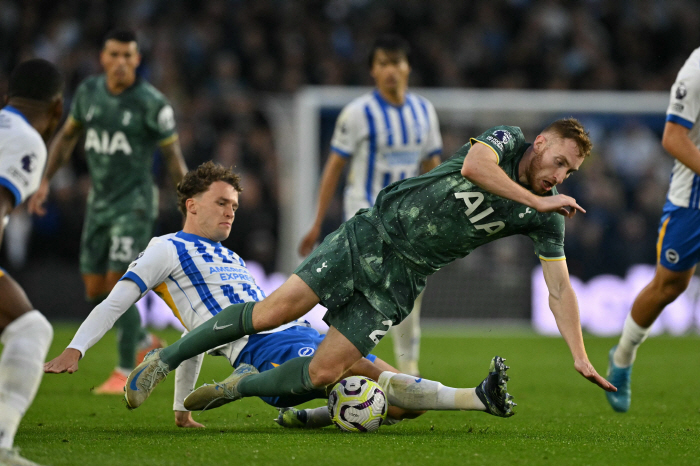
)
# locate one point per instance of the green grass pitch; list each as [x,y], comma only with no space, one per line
[561,418]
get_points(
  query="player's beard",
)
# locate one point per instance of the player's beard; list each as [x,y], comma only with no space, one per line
[533,170]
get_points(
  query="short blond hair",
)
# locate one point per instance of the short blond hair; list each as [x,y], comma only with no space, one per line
[571,128]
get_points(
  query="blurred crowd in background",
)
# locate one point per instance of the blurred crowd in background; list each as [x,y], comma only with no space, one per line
[216,60]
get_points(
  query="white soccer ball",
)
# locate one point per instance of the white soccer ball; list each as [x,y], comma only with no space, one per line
[357,404]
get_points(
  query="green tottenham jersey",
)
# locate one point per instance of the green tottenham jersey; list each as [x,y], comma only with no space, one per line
[122,133]
[440,216]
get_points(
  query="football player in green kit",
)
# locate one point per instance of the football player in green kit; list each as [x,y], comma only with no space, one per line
[369,271]
[125,120]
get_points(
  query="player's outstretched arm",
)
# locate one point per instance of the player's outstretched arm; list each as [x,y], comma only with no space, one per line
[59,153]
[124,294]
[562,302]
[329,182]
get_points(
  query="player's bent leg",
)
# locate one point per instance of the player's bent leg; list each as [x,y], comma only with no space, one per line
[296,381]
[220,393]
[664,288]
[334,356]
[26,336]
[129,328]
[95,287]
[290,301]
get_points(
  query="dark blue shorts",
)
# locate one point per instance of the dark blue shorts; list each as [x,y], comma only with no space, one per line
[678,246]
[266,351]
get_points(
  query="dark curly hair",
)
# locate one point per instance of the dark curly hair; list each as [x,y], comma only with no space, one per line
[198,180]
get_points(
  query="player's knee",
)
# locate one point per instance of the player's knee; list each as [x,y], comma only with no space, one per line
[674,289]
[268,317]
[32,323]
[263,320]
[669,290]
[324,376]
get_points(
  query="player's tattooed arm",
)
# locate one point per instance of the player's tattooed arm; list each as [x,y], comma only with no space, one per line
[562,302]
[59,153]
[172,153]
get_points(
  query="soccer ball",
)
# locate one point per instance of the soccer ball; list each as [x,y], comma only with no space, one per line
[357,404]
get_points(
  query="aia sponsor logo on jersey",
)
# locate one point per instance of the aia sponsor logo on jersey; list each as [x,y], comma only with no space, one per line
[681,91]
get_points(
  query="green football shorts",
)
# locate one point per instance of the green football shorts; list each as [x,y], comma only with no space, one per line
[112,244]
[362,281]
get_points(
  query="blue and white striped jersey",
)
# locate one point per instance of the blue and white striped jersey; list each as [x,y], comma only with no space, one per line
[684,109]
[197,278]
[386,143]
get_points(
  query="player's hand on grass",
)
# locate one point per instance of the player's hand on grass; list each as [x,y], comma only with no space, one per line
[184,419]
[586,369]
[36,202]
[561,204]
[309,241]
[65,362]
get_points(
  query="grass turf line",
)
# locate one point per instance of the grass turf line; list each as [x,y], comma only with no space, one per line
[561,418]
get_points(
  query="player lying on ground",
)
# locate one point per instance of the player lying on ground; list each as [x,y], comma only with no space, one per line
[197,276]
[33,109]
[369,271]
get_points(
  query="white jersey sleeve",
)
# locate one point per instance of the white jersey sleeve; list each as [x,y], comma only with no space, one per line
[22,155]
[153,265]
[103,317]
[684,105]
[433,144]
[347,131]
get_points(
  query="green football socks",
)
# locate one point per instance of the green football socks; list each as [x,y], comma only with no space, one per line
[228,325]
[289,381]
[129,334]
